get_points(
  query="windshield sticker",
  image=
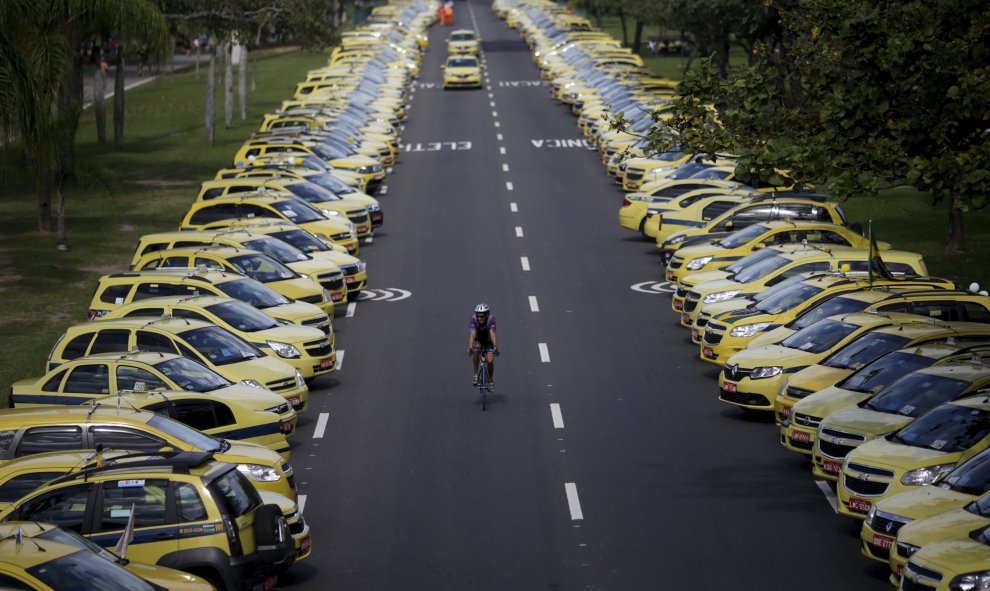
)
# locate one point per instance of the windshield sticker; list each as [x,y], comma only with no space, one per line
[907,409]
[939,443]
[290,213]
[130,484]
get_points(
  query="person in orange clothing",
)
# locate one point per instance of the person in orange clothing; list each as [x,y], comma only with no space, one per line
[442,15]
[448,9]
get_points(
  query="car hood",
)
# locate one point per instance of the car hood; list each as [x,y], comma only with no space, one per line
[955,556]
[722,310]
[771,355]
[866,421]
[926,501]
[774,336]
[263,369]
[827,401]
[895,456]
[954,524]
[256,399]
[463,71]
[816,377]
[693,279]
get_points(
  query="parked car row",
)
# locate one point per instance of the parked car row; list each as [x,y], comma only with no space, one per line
[874,371]
[161,427]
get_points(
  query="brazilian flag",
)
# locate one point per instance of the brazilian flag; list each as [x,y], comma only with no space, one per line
[875,265]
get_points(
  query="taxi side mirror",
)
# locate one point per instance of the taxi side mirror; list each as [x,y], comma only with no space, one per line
[760,246]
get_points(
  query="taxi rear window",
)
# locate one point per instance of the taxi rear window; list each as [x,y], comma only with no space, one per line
[115,294]
[235,494]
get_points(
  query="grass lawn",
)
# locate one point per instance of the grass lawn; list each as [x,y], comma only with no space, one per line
[119,197]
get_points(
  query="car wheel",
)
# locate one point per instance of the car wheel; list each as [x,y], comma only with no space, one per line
[642,230]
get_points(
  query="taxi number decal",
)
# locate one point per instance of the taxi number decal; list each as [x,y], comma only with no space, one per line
[130,483]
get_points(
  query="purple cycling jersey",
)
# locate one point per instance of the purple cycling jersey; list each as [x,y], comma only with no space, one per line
[482,333]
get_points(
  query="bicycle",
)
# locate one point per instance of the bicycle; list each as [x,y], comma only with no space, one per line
[483,377]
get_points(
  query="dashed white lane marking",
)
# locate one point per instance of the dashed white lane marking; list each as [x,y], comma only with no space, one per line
[321,425]
[573,503]
[494,113]
[301,503]
[350,310]
[490,95]
[513,207]
[519,232]
[497,124]
[498,136]
[501,150]
[508,186]
[558,418]
[505,168]
[534,306]
[525,267]
[491,103]
[829,495]
[544,353]
[383,189]
[340,358]
[369,239]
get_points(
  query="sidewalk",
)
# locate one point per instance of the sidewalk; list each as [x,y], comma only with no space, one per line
[179,61]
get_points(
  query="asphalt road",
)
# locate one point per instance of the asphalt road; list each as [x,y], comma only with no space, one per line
[642,481]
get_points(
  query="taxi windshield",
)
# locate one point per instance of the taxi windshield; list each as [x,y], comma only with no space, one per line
[832,307]
[915,394]
[462,37]
[262,268]
[220,346]
[302,240]
[761,269]
[312,193]
[864,350]
[462,62]
[297,212]
[277,249]
[820,336]
[882,372]
[68,571]
[750,260]
[191,376]
[787,299]
[972,477]
[242,316]
[742,237]
[949,428]
[254,293]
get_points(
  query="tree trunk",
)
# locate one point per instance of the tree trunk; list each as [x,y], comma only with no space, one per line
[99,102]
[242,75]
[228,86]
[637,36]
[61,240]
[210,112]
[335,13]
[954,240]
[118,102]
[254,74]
[45,201]
[625,31]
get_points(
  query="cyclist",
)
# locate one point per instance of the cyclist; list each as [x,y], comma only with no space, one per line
[481,338]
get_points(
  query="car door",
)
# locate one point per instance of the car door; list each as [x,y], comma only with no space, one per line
[65,506]
[156,531]
[35,440]
[137,379]
[209,416]
[84,383]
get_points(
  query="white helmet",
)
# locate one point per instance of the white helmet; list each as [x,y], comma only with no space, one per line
[481,309]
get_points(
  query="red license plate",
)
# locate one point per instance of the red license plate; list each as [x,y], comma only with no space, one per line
[800,437]
[900,570]
[269,583]
[670,275]
[685,318]
[785,411]
[362,229]
[285,427]
[707,352]
[831,466]
[379,176]
[695,335]
[350,279]
[336,297]
[859,505]
[678,305]
[295,402]
[326,363]
[729,387]
[883,542]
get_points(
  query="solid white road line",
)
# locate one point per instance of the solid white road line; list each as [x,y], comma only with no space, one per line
[572,501]
[321,425]
[519,232]
[505,168]
[558,418]
[829,495]
[533,305]
[340,358]
[508,186]
[301,502]
[525,264]
[544,353]
[501,150]
[350,310]
[513,207]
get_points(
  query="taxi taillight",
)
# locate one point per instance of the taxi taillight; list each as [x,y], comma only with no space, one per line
[91,314]
[626,202]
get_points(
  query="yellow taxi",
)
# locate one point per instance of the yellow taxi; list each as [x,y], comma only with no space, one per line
[722,251]
[463,42]
[963,487]
[636,207]
[634,170]
[962,563]
[370,169]
[308,349]
[250,263]
[204,215]
[323,270]
[185,509]
[691,210]
[752,378]
[918,454]
[139,370]
[461,71]
[100,425]
[203,342]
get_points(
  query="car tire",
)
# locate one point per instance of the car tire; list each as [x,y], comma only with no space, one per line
[271,534]
[642,230]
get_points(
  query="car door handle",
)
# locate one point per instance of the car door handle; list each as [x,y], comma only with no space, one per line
[163,536]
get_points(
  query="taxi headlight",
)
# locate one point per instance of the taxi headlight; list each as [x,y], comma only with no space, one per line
[926,475]
[327,296]
[910,549]
[870,515]
[769,371]
[698,263]
[720,296]
[284,349]
[330,213]
[374,207]
[362,266]
[253,383]
[971,581]
[259,473]
[300,381]
[748,330]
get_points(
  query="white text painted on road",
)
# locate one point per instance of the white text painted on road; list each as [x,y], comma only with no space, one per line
[572,501]
[321,425]
[544,353]
[522,83]
[558,417]
[351,307]
[436,146]
[562,143]
[513,207]
[525,263]
[534,306]
[519,232]
[383,189]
